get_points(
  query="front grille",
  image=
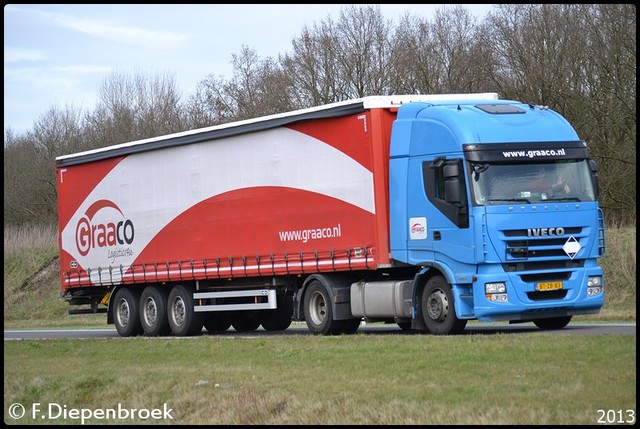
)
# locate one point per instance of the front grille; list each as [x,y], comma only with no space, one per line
[520,246]
[542,258]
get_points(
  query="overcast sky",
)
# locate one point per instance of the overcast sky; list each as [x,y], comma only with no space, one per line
[59,55]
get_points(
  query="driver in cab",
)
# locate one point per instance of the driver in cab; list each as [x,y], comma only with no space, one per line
[544,184]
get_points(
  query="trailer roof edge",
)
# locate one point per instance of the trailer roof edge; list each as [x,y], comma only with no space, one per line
[337,109]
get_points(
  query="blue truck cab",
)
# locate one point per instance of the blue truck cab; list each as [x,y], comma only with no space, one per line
[497,201]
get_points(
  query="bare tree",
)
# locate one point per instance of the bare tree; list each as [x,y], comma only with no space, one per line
[135,107]
[605,110]
[207,106]
[412,47]
[335,61]
[258,88]
[455,36]
[363,51]
[29,175]
[313,65]
[18,181]
[445,55]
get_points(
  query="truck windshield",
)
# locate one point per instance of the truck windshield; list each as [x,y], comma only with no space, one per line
[494,183]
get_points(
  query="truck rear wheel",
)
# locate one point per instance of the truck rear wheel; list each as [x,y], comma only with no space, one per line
[126,305]
[184,321]
[318,312]
[153,311]
[552,323]
[438,308]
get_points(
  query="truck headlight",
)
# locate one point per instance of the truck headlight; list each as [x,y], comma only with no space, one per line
[594,285]
[499,287]
[496,292]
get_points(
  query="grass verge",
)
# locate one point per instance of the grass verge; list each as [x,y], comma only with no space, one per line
[535,378]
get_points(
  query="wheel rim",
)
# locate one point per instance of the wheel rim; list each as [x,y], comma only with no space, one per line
[438,306]
[178,311]
[124,312]
[318,308]
[150,312]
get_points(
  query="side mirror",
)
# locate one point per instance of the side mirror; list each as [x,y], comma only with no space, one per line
[452,190]
[451,170]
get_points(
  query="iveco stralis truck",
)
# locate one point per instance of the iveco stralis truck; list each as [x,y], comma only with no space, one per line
[426,211]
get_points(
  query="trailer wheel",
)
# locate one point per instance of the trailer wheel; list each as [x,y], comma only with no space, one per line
[245,321]
[552,323]
[153,311]
[126,305]
[184,321]
[280,318]
[217,323]
[318,312]
[438,308]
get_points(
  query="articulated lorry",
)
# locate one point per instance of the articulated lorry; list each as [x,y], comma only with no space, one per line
[426,211]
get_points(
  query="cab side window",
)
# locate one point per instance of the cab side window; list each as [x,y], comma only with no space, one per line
[444,186]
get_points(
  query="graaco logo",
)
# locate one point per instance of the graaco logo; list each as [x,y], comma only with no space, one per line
[91,235]
[416,228]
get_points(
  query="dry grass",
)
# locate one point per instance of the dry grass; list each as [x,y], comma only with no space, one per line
[26,237]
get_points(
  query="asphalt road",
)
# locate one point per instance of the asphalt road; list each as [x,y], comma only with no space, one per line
[372,329]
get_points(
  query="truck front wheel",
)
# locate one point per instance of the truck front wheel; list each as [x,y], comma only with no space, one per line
[153,311]
[318,312]
[126,312]
[184,321]
[438,308]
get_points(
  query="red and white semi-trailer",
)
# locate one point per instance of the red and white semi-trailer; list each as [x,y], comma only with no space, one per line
[404,209]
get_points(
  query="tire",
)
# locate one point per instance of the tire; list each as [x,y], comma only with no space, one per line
[280,318]
[552,323]
[126,310]
[351,326]
[153,311]
[405,326]
[438,308]
[184,321]
[318,312]
[217,323]
[245,321]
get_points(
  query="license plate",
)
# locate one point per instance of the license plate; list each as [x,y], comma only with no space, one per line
[550,286]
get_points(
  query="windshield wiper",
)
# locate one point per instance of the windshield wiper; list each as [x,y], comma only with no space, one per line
[564,199]
[509,200]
